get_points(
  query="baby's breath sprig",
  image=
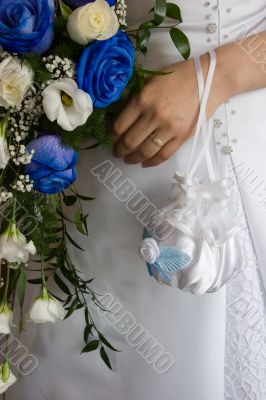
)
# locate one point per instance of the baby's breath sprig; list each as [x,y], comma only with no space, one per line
[21,120]
[5,195]
[121,12]
[59,67]
[19,154]
[23,184]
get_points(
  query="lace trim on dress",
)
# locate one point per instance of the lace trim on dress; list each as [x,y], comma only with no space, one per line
[245,354]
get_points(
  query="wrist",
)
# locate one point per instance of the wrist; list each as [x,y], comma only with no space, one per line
[226,82]
[221,89]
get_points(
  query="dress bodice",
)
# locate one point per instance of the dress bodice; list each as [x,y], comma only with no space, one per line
[208,24]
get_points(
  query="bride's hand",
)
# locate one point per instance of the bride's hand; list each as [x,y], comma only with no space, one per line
[166,109]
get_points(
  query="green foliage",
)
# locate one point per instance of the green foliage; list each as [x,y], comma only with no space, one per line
[35,62]
[161,11]
[60,28]
[174,12]
[95,128]
[67,49]
[63,46]
[64,9]
[181,42]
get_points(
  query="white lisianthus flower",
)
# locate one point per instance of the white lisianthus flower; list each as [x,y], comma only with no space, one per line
[15,80]
[4,153]
[14,247]
[46,309]
[6,317]
[149,250]
[96,20]
[6,377]
[65,103]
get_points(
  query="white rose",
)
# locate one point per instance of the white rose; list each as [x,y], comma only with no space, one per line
[46,309]
[14,247]
[6,377]
[149,250]
[6,317]
[65,103]
[15,80]
[96,20]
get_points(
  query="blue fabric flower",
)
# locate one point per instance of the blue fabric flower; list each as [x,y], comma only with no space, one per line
[105,68]
[26,26]
[78,3]
[53,164]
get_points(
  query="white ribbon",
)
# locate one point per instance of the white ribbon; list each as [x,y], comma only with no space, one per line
[194,188]
[201,209]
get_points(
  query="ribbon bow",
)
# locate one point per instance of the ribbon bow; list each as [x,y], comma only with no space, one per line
[194,188]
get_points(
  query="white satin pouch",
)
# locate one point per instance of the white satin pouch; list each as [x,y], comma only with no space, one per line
[196,248]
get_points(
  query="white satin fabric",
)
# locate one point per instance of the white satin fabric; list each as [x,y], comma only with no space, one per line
[217,341]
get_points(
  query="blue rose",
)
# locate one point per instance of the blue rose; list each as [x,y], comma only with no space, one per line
[79,3]
[105,68]
[53,164]
[26,26]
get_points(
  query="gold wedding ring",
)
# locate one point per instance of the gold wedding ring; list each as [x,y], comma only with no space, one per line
[156,140]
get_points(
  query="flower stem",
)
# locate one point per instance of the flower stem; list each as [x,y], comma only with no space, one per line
[44,289]
[14,211]
[4,124]
[4,302]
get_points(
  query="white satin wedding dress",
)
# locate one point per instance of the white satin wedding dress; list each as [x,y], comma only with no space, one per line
[211,347]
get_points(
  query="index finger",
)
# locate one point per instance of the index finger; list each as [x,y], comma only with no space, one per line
[127,118]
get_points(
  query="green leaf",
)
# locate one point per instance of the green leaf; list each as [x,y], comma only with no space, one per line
[72,241]
[91,346]
[68,300]
[62,215]
[142,41]
[56,297]
[105,358]
[84,220]
[37,281]
[80,196]
[55,230]
[87,319]
[181,42]
[5,372]
[73,306]
[89,280]
[87,332]
[61,284]
[147,25]
[70,276]
[159,11]
[85,198]
[69,200]
[79,222]
[65,10]
[105,341]
[173,11]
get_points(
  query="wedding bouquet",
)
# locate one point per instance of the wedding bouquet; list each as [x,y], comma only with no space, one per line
[63,66]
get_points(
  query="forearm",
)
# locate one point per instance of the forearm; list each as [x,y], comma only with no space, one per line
[241,66]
